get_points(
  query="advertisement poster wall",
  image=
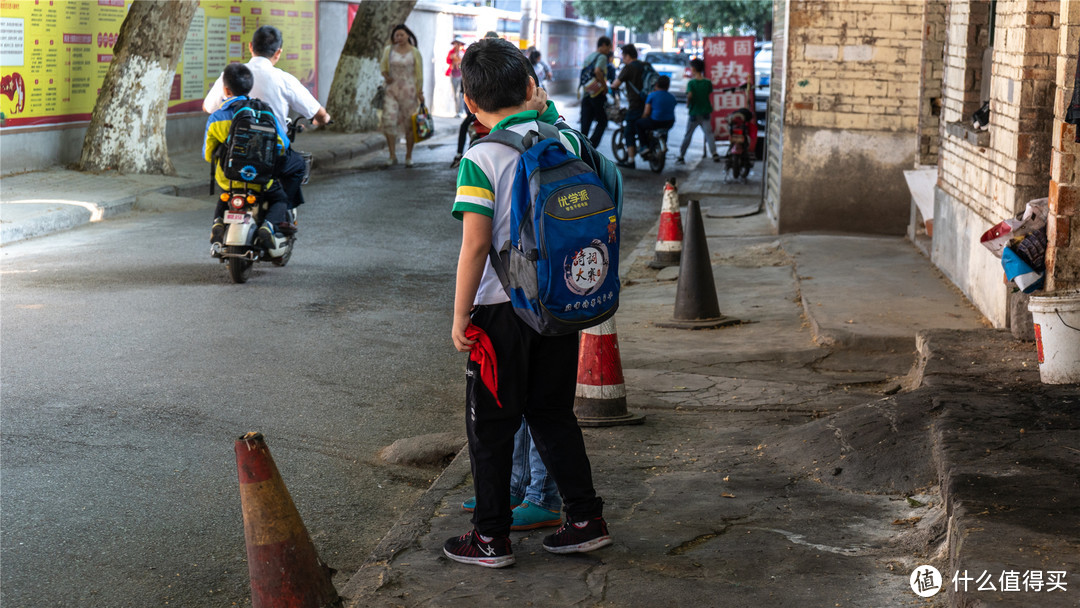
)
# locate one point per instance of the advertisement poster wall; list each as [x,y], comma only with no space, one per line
[729,64]
[54,53]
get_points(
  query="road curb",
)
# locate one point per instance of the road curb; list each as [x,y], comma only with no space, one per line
[405,533]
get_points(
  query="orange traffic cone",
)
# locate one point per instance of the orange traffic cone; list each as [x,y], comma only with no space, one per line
[670,235]
[601,392]
[285,570]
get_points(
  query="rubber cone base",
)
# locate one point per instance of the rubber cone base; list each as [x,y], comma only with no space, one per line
[625,419]
[699,323]
[665,259]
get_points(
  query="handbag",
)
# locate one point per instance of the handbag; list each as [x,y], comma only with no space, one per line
[422,125]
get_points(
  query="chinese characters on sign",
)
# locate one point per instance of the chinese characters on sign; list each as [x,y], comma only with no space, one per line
[729,64]
[54,55]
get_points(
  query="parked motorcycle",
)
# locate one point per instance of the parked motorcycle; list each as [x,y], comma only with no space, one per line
[240,249]
[738,160]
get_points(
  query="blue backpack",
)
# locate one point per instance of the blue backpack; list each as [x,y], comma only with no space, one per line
[561,264]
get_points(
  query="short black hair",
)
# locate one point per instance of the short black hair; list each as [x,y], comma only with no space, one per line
[663,83]
[495,75]
[266,41]
[534,56]
[238,79]
[629,50]
[603,41]
[698,65]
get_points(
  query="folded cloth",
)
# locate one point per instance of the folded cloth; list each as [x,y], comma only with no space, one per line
[483,353]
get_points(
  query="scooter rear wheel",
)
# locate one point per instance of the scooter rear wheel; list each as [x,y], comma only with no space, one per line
[239,268]
[658,158]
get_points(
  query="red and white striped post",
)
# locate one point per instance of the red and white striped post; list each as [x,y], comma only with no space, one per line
[669,238]
[601,391]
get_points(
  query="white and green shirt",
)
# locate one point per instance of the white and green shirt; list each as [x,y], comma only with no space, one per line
[485,182]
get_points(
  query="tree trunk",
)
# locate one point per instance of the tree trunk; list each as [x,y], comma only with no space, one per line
[357,77]
[127,129]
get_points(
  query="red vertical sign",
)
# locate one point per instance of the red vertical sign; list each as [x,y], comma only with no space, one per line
[729,63]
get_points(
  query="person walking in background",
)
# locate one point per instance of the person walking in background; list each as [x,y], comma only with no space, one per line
[542,70]
[403,70]
[699,106]
[470,121]
[453,59]
[595,97]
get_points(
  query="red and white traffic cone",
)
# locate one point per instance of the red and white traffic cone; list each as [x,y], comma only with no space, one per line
[669,238]
[601,391]
[285,570]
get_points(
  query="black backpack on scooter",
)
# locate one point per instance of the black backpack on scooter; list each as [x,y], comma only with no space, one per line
[250,153]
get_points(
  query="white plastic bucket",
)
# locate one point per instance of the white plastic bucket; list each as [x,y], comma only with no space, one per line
[1057,335]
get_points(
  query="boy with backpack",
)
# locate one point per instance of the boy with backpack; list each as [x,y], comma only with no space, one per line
[514,369]
[699,106]
[250,166]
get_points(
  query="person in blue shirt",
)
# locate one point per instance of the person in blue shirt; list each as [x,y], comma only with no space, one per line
[659,113]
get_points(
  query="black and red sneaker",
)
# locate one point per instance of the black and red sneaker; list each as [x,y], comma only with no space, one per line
[469,548]
[579,537]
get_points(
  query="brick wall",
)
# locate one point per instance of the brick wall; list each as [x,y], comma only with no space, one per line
[855,65]
[1063,251]
[997,178]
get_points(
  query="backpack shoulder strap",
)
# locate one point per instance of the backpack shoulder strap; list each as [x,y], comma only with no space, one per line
[504,137]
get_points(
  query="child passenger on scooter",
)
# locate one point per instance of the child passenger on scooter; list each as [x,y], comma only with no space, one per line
[238,80]
[659,114]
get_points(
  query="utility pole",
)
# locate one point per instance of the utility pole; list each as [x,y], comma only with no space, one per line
[528,18]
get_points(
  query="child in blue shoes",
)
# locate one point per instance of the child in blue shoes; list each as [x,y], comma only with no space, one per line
[534,497]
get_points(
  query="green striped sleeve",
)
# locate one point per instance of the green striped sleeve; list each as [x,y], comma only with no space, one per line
[474,191]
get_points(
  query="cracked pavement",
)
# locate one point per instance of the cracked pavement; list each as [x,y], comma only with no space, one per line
[703,504]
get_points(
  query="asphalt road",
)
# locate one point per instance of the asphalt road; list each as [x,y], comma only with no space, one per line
[130,365]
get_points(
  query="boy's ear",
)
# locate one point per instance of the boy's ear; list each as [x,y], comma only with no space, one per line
[469,103]
[530,90]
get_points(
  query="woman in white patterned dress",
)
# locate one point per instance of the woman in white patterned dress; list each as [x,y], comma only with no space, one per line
[403,70]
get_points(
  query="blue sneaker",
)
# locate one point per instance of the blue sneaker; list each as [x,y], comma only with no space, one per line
[470,505]
[528,516]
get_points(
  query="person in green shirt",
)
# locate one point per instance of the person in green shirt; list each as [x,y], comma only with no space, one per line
[698,91]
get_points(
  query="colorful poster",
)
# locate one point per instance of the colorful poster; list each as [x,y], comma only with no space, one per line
[729,63]
[54,53]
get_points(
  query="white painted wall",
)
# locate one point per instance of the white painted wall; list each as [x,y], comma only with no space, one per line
[970,266]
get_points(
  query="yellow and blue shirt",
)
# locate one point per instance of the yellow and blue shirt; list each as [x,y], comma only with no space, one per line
[217,132]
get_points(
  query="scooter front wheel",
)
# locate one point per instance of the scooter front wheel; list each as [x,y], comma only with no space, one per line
[618,146]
